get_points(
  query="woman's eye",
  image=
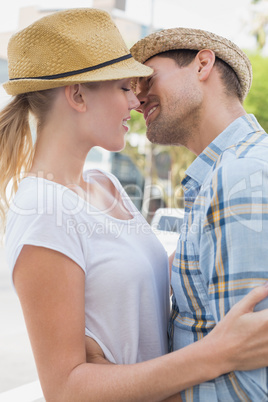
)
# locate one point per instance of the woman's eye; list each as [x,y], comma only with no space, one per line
[126,89]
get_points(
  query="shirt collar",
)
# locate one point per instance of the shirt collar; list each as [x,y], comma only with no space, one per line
[234,133]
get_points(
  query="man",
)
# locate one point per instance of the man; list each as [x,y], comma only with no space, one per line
[194,98]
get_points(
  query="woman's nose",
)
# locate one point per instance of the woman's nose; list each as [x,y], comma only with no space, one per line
[134,102]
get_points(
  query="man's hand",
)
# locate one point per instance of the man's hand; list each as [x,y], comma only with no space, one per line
[245,332]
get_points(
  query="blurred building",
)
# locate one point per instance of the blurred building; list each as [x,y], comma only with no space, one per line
[131,30]
[121,165]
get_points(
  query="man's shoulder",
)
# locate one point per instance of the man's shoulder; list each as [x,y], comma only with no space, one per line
[254,144]
[246,153]
[241,161]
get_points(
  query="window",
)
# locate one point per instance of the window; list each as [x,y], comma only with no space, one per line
[120,4]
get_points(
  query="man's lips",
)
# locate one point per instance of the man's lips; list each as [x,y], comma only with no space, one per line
[149,111]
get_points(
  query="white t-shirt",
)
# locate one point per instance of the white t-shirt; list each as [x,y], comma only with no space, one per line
[125,266]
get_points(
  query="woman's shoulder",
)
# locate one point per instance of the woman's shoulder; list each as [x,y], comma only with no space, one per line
[27,193]
[102,177]
[39,194]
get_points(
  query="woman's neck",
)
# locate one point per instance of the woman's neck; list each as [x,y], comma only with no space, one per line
[58,160]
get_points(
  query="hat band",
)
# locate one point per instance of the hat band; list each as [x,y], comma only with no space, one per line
[75,72]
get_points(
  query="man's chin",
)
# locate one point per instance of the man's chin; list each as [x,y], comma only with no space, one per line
[156,139]
[152,136]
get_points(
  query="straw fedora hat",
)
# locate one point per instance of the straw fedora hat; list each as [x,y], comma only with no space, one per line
[196,39]
[69,47]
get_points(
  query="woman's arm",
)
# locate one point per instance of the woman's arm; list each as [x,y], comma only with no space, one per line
[94,353]
[51,291]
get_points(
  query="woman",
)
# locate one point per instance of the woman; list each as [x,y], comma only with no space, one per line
[83,259]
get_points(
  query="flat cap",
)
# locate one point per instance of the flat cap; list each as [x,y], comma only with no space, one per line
[196,39]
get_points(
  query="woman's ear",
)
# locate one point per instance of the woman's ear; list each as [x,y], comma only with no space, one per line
[76,97]
[205,60]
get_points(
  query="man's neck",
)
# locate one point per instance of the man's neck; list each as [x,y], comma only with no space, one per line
[213,123]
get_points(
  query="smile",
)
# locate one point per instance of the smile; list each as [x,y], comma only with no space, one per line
[148,113]
[124,124]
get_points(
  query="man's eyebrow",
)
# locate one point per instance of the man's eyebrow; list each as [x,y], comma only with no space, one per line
[141,80]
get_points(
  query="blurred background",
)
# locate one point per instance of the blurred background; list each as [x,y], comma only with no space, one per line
[151,174]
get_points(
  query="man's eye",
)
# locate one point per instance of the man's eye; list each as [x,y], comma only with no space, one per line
[126,89]
[149,80]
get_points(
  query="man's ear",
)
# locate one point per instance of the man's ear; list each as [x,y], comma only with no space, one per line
[76,97]
[205,60]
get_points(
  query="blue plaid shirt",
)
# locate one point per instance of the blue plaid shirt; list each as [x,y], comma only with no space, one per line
[222,252]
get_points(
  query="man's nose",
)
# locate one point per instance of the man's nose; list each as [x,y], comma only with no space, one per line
[140,108]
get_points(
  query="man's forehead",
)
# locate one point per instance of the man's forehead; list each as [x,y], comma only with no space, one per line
[154,62]
[158,64]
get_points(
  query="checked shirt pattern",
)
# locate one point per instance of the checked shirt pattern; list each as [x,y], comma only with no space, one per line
[222,252]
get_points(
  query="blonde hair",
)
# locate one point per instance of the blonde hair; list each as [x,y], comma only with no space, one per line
[16,144]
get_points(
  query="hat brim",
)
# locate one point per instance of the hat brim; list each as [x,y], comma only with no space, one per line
[124,69]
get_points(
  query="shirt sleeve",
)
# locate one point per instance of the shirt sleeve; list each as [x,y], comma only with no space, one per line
[51,224]
[234,258]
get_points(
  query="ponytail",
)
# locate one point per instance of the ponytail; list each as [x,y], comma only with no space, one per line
[16,149]
[16,145]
